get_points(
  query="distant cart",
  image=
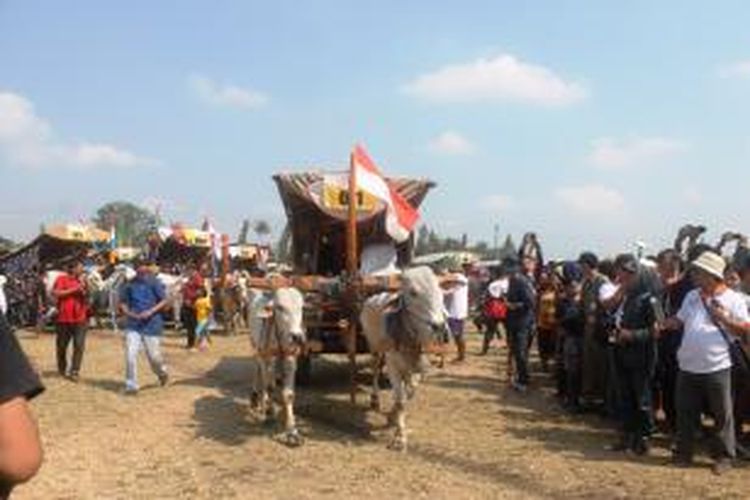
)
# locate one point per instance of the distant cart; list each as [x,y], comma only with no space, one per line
[49,250]
[178,245]
[248,256]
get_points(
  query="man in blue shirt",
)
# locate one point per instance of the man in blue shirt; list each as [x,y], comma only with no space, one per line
[141,302]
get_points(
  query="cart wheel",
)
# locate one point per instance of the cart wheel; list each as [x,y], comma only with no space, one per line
[304,370]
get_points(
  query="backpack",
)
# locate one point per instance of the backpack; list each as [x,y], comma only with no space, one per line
[495,309]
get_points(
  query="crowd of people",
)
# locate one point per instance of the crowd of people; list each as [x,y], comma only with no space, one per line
[631,339]
[651,344]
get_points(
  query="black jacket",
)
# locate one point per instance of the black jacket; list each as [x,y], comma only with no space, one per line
[521,291]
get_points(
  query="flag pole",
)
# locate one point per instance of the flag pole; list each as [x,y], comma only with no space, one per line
[351,271]
[351,232]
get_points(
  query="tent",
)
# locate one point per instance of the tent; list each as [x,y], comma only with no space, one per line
[50,249]
[243,255]
[180,245]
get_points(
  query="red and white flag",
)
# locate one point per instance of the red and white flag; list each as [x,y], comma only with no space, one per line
[214,237]
[400,217]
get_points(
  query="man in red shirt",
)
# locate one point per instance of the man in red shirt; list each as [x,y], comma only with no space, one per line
[70,292]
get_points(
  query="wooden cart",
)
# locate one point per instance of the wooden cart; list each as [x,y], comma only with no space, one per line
[327,236]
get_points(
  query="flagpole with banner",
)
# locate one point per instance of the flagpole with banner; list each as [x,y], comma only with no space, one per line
[351,270]
[351,232]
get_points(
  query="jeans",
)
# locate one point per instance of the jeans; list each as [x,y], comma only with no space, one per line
[594,368]
[456,327]
[519,338]
[572,355]
[634,365]
[201,330]
[65,333]
[614,401]
[546,342]
[666,376]
[492,330]
[692,390]
[190,322]
[134,341]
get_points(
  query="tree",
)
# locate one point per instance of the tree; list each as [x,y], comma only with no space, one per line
[283,251]
[422,240]
[508,249]
[433,242]
[482,248]
[242,239]
[132,223]
[6,245]
[262,229]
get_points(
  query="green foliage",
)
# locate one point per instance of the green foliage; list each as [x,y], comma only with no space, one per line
[508,249]
[428,241]
[132,223]
[6,245]
[244,230]
[261,228]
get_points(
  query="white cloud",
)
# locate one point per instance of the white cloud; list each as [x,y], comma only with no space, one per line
[451,143]
[739,69]
[27,140]
[612,154]
[497,202]
[225,95]
[591,199]
[503,78]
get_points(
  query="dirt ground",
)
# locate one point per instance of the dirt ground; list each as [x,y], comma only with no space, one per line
[471,437]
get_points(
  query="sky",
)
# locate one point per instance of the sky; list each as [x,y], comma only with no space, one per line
[595,124]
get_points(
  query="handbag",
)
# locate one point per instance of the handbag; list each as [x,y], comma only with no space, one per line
[740,360]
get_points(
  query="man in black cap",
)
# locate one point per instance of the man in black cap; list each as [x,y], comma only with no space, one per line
[635,351]
[594,368]
[521,302]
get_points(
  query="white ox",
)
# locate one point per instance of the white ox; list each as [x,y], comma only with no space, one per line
[401,326]
[277,335]
[173,285]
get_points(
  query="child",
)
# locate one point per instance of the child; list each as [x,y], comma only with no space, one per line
[202,314]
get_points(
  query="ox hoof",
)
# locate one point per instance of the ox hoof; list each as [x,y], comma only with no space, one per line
[391,419]
[293,439]
[411,391]
[374,403]
[397,444]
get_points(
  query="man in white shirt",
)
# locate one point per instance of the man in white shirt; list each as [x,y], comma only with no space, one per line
[709,315]
[456,296]
[493,308]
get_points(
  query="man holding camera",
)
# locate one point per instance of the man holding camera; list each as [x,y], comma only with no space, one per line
[711,316]
[635,351]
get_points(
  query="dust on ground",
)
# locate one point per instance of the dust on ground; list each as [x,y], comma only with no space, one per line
[471,437]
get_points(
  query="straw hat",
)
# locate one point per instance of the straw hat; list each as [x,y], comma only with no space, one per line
[712,263]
